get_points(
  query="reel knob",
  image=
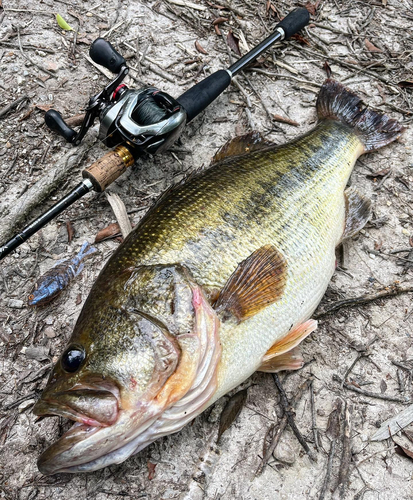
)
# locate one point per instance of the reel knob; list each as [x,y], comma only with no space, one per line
[103,53]
[56,123]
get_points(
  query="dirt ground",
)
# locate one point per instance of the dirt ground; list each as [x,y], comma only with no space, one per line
[368,45]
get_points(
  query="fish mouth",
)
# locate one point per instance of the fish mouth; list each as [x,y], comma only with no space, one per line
[92,407]
[98,439]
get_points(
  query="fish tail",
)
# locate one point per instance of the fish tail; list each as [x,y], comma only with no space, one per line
[374,129]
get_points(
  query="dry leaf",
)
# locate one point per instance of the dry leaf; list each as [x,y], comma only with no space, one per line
[43,107]
[70,231]
[219,20]
[411,241]
[151,469]
[402,451]
[279,118]
[199,48]
[233,42]
[231,411]
[327,69]
[383,387]
[78,299]
[301,39]
[406,84]
[110,231]
[312,7]
[371,47]
[334,420]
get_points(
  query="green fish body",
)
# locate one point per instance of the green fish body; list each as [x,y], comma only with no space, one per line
[218,280]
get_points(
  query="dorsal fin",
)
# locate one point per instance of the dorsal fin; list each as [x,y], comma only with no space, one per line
[241,145]
[258,281]
[358,212]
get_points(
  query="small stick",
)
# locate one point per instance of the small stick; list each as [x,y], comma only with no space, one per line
[281,427]
[6,109]
[359,355]
[370,394]
[313,416]
[30,60]
[329,467]
[346,455]
[390,291]
[290,417]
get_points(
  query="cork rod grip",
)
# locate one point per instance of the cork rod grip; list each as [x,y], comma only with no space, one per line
[108,168]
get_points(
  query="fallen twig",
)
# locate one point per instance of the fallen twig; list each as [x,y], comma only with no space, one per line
[376,395]
[280,427]
[9,107]
[390,291]
[346,455]
[290,417]
[328,471]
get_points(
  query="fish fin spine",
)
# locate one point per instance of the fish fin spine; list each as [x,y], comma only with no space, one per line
[374,129]
[241,145]
[358,212]
[257,282]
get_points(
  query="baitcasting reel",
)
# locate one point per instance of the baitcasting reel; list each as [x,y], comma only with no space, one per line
[135,122]
[147,119]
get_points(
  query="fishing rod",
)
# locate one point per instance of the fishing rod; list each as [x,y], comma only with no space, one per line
[138,122]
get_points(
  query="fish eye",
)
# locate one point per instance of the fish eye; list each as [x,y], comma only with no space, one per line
[31,296]
[72,358]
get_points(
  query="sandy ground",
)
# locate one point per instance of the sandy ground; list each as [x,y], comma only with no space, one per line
[369,47]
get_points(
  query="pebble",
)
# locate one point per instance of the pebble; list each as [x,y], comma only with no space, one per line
[49,332]
[284,453]
[16,303]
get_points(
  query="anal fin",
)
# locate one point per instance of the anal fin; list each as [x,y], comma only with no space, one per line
[358,212]
[284,354]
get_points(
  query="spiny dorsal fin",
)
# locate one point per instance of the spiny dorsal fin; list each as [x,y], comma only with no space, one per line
[258,281]
[358,212]
[241,145]
[284,352]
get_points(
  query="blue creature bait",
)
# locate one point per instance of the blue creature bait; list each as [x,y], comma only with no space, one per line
[52,283]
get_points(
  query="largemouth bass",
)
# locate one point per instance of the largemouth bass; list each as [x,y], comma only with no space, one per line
[218,280]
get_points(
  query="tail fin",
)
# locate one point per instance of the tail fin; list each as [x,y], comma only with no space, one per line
[375,129]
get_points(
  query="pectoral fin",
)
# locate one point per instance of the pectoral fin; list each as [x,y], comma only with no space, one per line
[284,354]
[241,145]
[258,281]
[358,212]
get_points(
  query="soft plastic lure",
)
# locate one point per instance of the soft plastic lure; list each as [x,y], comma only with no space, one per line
[52,283]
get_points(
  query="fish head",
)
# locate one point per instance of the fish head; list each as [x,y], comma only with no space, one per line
[128,361]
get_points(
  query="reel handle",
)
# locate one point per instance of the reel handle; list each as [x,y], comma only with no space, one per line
[103,53]
[56,123]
